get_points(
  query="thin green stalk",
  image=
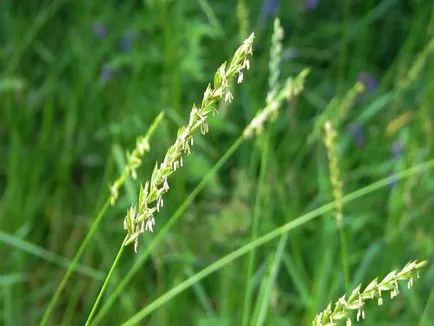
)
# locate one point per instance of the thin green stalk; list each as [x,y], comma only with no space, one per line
[134,160]
[273,91]
[268,284]
[73,264]
[21,244]
[255,231]
[428,314]
[73,300]
[269,237]
[212,17]
[243,19]
[344,256]
[106,281]
[160,235]
[7,305]
[32,32]
[344,47]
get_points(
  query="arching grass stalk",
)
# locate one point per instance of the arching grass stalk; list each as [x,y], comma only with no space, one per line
[257,212]
[42,253]
[219,264]
[140,217]
[343,308]
[133,163]
[32,33]
[143,255]
[106,281]
[74,263]
[291,88]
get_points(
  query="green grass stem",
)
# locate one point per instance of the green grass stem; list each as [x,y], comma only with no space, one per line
[302,220]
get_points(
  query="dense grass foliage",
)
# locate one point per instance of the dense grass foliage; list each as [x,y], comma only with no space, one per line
[244,237]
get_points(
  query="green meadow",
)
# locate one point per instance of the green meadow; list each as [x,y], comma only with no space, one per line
[204,162]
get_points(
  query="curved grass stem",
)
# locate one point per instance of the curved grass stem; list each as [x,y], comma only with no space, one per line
[160,235]
[106,281]
[255,230]
[74,263]
[160,301]
[134,160]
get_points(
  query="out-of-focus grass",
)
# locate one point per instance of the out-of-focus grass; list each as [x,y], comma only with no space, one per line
[80,80]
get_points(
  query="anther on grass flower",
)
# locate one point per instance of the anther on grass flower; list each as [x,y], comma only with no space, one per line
[357,300]
[150,223]
[100,30]
[240,78]
[228,97]
[140,218]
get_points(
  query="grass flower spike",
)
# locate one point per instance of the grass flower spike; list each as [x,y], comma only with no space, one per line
[335,179]
[357,299]
[291,89]
[275,60]
[141,218]
[134,159]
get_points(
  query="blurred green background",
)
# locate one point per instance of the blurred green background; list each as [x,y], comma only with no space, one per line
[80,80]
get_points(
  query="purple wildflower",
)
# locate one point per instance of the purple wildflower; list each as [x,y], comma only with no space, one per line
[368,80]
[358,134]
[100,30]
[107,73]
[269,8]
[127,40]
[311,4]
[396,149]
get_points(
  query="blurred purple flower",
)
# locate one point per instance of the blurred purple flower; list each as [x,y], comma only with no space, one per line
[100,30]
[396,149]
[269,8]
[311,4]
[107,74]
[358,133]
[368,80]
[289,53]
[127,40]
